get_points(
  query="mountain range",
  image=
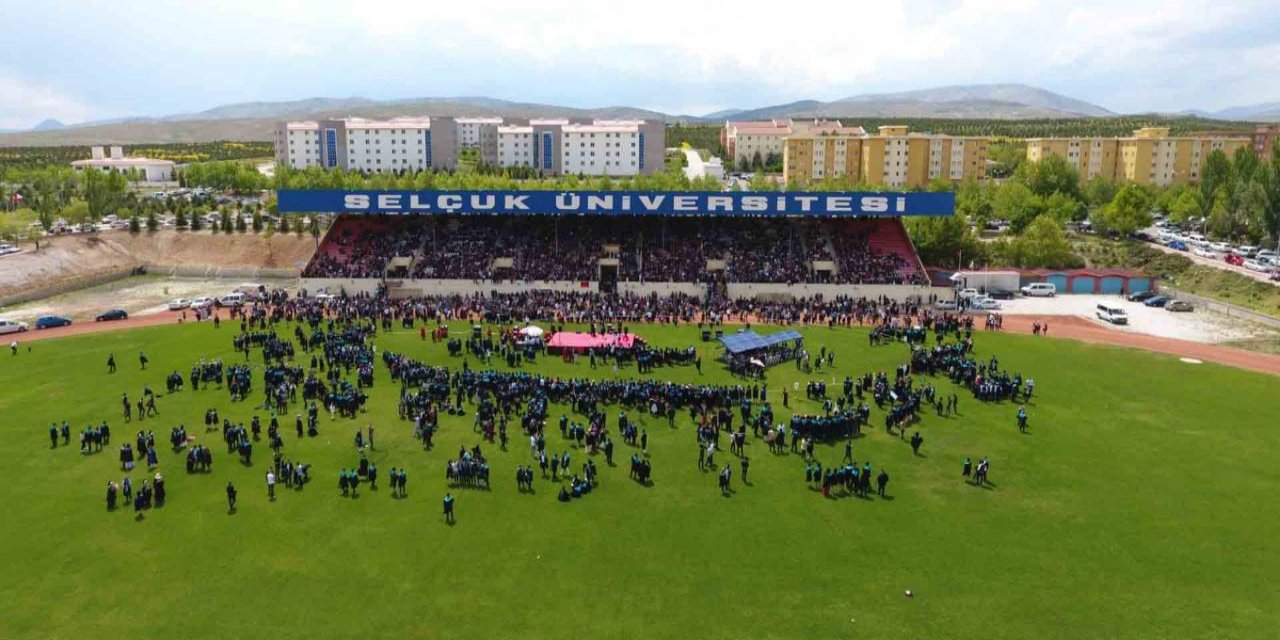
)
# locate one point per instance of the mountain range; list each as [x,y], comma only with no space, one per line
[256,120]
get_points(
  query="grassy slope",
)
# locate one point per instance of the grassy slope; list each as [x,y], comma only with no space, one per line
[1182,273]
[1137,508]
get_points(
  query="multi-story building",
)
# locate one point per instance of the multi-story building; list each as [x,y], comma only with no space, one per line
[1150,156]
[743,141]
[297,144]
[472,130]
[598,148]
[552,146]
[894,158]
[1266,138]
[371,146]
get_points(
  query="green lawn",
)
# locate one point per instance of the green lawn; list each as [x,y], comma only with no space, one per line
[1142,505]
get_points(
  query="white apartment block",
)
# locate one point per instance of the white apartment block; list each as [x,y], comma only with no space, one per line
[369,146]
[471,131]
[598,148]
[297,144]
[401,145]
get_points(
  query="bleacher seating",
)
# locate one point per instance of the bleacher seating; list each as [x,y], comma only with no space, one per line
[651,249]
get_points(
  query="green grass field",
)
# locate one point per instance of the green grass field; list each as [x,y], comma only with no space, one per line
[1141,505]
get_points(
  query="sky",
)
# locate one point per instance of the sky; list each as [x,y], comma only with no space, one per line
[79,60]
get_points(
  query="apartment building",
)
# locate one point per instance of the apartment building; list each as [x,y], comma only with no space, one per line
[1266,138]
[893,158]
[1150,156]
[742,141]
[370,146]
[596,148]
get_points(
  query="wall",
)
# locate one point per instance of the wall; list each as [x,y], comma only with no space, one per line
[67,285]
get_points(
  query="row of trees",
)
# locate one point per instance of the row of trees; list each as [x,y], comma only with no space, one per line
[181,152]
[230,175]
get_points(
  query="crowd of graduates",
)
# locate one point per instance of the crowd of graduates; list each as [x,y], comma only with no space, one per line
[338,340]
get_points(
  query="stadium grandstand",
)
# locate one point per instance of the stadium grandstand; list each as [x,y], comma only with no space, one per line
[739,256]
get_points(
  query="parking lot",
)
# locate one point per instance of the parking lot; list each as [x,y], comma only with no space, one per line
[1199,325]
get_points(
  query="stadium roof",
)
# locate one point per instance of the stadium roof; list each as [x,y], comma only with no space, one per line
[744,341]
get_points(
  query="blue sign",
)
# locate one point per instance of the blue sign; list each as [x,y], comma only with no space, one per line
[630,203]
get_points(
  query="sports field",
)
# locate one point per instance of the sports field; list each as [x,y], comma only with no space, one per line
[1142,504]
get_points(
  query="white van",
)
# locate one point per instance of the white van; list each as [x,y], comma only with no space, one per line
[1112,314]
[249,289]
[1040,289]
[231,300]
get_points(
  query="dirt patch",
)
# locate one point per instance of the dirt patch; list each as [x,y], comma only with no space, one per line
[70,257]
[140,295]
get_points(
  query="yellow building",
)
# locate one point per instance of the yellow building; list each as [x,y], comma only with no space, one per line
[1149,156]
[894,158]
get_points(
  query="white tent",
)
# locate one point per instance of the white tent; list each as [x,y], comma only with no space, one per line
[532,331]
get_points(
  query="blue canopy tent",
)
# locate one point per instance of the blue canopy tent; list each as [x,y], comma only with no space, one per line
[747,350]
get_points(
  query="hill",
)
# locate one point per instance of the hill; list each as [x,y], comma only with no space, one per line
[988,101]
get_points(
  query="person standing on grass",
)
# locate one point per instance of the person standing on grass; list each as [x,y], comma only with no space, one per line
[882,481]
[1022,419]
[644,442]
[848,450]
[370,437]
[142,360]
[111,363]
[231,497]
[271,484]
[746,462]
[448,508]
[53,435]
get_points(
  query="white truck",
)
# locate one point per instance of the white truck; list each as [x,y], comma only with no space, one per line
[992,283]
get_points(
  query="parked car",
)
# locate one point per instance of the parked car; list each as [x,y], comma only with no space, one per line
[1258,264]
[1156,301]
[965,294]
[1247,251]
[231,300]
[1139,296]
[6,248]
[1111,313]
[1205,252]
[203,302]
[1219,246]
[12,326]
[1177,245]
[1040,289]
[114,314]
[178,304]
[945,305]
[985,304]
[49,322]
[1178,305]
[1233,259]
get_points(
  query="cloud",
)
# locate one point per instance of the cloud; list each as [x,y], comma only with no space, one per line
[1127,56]
[27,103]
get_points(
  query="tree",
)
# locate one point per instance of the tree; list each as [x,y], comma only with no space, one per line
[974,201]
[1044,244]
[180,218]
[196,222]
[257,221]
[1049,176]
[941,240]
[135,225]
[1214,173]
[240,224]
[314,228]
[1129,211]
[75,212]
[1016,203]
[283,227]
[1219,220]
[104,192]
[152,223]
[757,162]
[1100,191]
[1251,210]
[1187,204]
[226,221]
[1064,208]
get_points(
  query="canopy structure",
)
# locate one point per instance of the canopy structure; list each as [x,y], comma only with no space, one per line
[747,341]
[583,341]
[532,331]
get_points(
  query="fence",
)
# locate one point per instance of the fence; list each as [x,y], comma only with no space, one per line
[1225,308]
